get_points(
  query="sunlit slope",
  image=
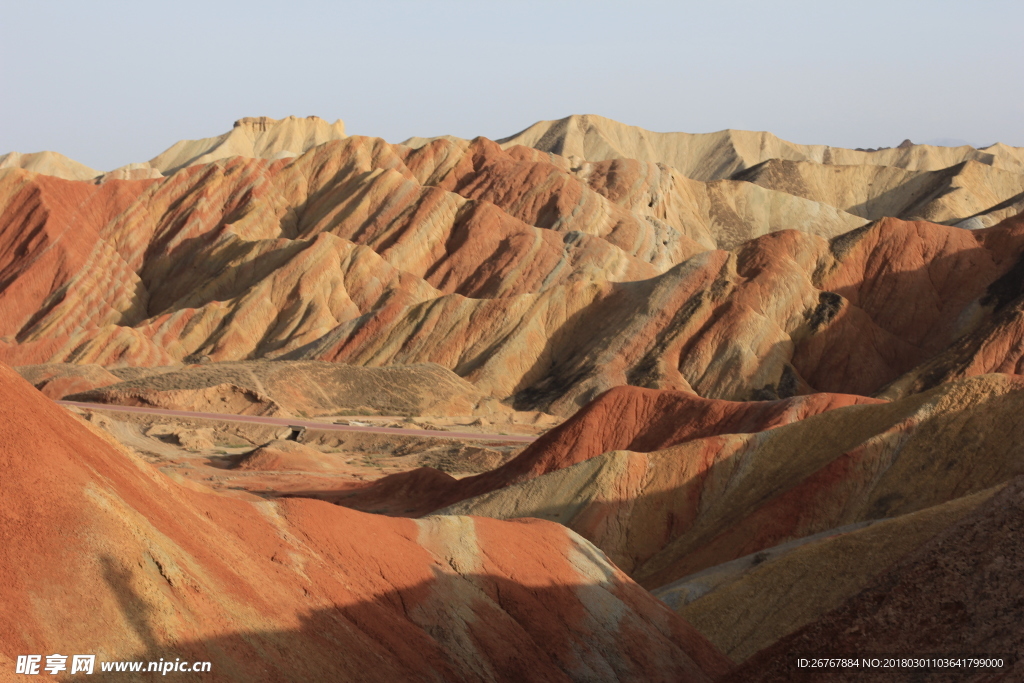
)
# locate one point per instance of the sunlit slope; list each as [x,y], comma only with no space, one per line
[49,163]
[711,156]
[105,554]
[256,137]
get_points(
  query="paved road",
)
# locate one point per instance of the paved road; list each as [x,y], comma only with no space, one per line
[288,422]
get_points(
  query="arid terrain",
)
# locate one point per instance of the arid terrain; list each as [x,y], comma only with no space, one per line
[585,403]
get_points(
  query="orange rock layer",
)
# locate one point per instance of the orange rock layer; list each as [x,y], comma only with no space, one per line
[141,567]
[626,418]
[690,506]
[541,282]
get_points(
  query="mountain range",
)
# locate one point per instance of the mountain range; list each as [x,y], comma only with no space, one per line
[776,392]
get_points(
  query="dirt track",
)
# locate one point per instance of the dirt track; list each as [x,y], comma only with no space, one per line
[309,424]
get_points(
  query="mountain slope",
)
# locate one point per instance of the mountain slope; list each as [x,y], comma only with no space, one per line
[677,510]
[783,315]
[48,163]
[288,251]
[725,527]
[712,156]
[104,554]
[542,279]
[947,195]
[960,592]
[622,418]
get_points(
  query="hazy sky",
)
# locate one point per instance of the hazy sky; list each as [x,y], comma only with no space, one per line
[108,83]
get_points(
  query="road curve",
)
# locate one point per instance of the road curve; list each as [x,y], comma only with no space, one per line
[309,424]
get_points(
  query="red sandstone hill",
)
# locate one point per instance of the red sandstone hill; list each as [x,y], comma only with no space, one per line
[753,536]
[785,314]
[702,495]
[626,418]
[104,554]
[785,420]
[543,280]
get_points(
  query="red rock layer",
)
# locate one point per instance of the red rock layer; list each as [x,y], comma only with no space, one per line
[671,513]
[538,189]
[104,554]
[647,420]
[624,418]
[786,314]
[909,290]
[49,234]
[540,282]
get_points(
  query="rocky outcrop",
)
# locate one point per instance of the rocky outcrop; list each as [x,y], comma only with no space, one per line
[255,137]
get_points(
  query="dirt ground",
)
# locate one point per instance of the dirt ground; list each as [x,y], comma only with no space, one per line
[215,453]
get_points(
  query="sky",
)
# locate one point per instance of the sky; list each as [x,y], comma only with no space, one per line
[109,83]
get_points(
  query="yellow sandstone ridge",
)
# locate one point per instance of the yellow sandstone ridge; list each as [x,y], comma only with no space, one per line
[255,137]
[711,156]
[49,163]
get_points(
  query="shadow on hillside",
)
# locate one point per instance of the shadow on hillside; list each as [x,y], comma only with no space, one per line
[891,322]
[574,356]
[791,481]
[877,462]
[236,280]
[910,196]
[849,465]
[232,281]
[897,321]
[454,627]
[1005,204]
